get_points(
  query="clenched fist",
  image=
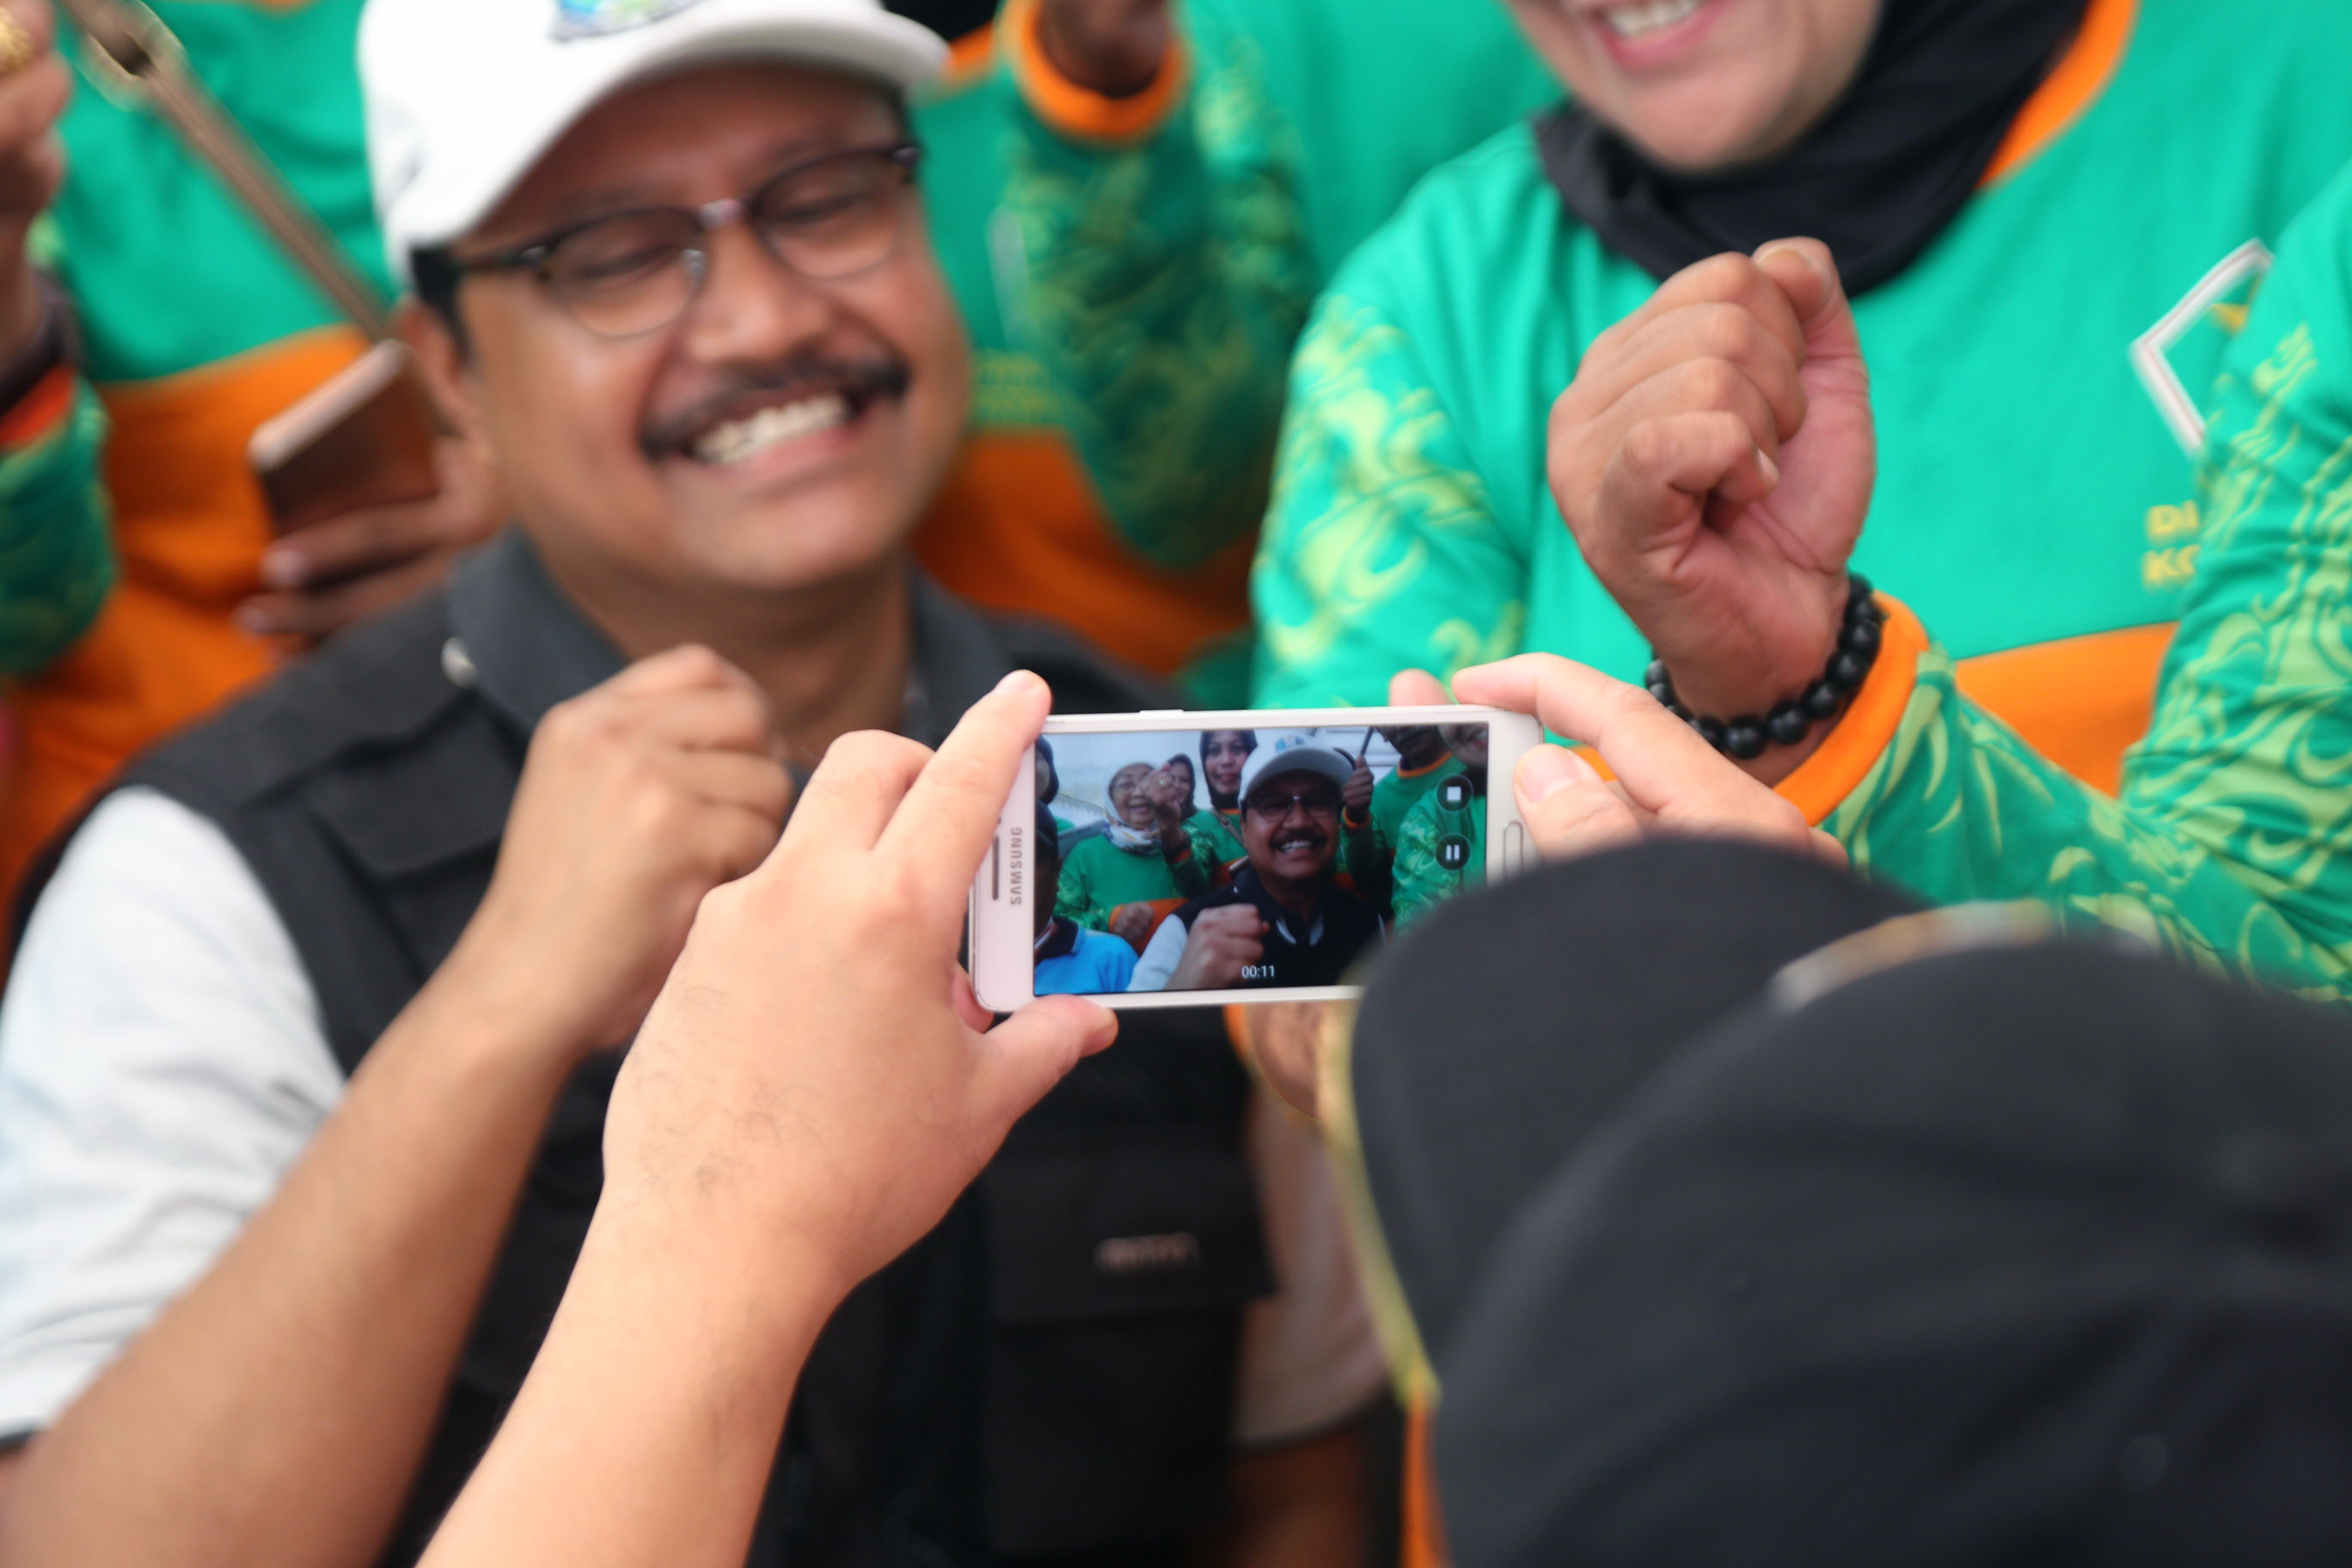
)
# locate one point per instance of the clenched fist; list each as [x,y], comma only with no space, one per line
[1714,458]
[637,798]
[33,95]
[1131,923]
[1222,943]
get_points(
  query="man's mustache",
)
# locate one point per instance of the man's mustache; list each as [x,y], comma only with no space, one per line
[863,381]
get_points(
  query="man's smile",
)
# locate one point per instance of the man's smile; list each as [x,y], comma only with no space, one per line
[772,412]
[733,440]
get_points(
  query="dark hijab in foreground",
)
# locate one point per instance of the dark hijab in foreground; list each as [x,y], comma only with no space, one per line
[1877,180]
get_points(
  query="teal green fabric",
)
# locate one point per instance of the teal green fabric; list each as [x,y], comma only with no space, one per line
[1144,297]
[1216,839]
[136,205]
[2020,460]
[2232,838]
[134,210]
[57,557]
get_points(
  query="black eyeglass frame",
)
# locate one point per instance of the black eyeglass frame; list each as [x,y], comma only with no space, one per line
[1296,799]
[438,269]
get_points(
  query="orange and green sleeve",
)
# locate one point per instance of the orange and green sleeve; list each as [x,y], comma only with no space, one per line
[1168,270]
[2232,841]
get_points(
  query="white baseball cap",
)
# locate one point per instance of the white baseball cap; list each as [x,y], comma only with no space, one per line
[1294,757]
[465,96]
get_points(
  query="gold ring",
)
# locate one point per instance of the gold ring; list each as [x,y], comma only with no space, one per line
[17,49]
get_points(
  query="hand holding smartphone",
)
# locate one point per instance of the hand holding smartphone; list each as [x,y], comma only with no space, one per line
[1185,859]
[363,439]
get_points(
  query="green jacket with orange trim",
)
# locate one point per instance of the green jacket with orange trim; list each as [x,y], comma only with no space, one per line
[2036,375]
[1099,879]
[2232,838]
[1135,272]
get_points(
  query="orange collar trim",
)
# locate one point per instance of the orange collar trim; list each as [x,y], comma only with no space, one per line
[1443,757]
[2080,78]
[973,55]
[1073,110]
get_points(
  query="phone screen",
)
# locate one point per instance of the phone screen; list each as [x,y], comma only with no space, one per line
[1242,859]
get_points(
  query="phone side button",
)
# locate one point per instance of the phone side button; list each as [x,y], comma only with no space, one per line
[1514,847]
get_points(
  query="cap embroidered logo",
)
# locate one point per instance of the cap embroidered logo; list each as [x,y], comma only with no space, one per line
[594,18]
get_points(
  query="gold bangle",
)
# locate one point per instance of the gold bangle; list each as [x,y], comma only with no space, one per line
[17,49]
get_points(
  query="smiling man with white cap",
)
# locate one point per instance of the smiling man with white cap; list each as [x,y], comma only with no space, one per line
[1284,920]
[304,1060]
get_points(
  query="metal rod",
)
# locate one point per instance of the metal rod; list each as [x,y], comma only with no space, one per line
[135,41]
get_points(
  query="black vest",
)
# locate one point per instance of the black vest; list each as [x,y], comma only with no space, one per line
[1007,1390]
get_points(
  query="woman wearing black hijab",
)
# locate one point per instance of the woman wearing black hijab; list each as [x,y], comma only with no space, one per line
[2041,211]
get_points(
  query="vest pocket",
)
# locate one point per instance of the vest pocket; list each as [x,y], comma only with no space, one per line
[1118,1269]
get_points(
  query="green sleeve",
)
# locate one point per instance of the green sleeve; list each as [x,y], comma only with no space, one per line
[57,553]
[1166,280]
[2229,841]
[1418,880]
[1381,551]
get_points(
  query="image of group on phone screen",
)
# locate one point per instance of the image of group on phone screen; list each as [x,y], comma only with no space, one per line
[1247,859]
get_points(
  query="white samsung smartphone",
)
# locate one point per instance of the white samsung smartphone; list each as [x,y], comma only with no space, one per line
[1185,859]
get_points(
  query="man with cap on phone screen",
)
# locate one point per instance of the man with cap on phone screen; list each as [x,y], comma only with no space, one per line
[1283,921]
[305,1056]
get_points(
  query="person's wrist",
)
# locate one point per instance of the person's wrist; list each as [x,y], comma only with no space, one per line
[767,1289]
[514,993]
[1124,65]
[1770,726]
[1751,675]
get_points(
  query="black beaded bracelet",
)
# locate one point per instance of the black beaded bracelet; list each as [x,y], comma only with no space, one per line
[1790,723]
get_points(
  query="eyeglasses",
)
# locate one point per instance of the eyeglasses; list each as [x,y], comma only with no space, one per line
[1274,807]
[632,273]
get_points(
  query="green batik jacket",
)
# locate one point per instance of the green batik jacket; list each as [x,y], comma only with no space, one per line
[1439,852]
[2233,839]
[1149,260]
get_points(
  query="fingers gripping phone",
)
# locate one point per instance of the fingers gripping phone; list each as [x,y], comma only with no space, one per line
[362,439]
[1184,859]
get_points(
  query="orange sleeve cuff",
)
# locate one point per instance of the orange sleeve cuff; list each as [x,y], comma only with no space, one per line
[1237,1030]
[1081,112]
[40,411]
[1823,780]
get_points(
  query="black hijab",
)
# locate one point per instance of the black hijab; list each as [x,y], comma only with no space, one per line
[1877,180]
